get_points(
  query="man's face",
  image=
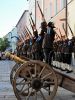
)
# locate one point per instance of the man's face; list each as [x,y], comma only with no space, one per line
[52,25]
[34,27]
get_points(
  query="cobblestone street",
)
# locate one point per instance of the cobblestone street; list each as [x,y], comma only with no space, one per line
[6,91]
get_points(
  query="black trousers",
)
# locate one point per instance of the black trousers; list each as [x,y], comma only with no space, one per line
[67,58]
[48,53]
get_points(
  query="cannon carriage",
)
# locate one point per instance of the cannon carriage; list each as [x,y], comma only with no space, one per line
[33,79]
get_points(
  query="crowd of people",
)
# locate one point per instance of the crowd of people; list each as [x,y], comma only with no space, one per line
[42,46]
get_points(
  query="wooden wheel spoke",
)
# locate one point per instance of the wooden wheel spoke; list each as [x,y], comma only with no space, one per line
[26,89]
[46,76]
[20,82]
[50,82]
[42,71]
[21,89]
[46,89]
[30,74]
[43,95]
[28,95]
[35,70]
[27,78]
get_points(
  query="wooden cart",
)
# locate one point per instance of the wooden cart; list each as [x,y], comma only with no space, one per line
[32,79]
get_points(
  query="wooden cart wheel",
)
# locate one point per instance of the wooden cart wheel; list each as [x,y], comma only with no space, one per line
[13,71]
[35,80]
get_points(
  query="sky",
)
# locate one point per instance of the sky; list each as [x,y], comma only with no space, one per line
[10,13]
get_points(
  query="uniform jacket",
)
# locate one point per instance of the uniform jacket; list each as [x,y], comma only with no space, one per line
[48,39]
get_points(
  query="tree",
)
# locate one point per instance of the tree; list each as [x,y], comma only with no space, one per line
[4,43]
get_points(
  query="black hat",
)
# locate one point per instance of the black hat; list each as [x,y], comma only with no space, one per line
[43,25]
[51,24]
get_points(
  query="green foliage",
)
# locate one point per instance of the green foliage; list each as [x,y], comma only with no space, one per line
[3,44]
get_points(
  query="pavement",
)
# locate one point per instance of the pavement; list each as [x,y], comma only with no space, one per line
[6,90]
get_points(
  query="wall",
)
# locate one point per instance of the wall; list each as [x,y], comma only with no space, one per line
[12,38]
[54,10]
[21,25]
[71,16]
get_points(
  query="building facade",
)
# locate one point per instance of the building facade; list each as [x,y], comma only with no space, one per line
[21,27]
[55,10]
[71,17]
[12,38]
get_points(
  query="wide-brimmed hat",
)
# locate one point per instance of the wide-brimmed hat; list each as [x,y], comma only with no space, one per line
[51,24]
[43,24]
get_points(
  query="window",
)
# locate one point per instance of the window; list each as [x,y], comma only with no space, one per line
[61,4]
[50,9]
[55,7]
[64,3]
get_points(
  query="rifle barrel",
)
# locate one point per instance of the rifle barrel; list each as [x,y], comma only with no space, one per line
[32,19]
[41,11]
[70,29]
[31,25]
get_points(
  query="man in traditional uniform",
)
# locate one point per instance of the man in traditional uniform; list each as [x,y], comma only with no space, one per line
[34,46]
[48,42]
[39,41]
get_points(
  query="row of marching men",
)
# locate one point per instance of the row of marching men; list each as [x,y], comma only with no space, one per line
[64,50]
[40,46]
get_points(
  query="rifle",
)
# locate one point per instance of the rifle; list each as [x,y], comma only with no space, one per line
[31,25]
[57,36]
[20,38]
[70,29]
[41,11]
[28,31]
[60,33]
[32,20]
[25,31]
[68,26]
[65,32]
